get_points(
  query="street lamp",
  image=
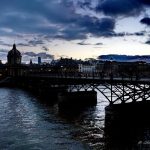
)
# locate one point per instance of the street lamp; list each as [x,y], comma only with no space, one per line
[111,71]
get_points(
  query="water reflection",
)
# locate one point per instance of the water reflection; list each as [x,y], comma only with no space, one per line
[26,124]
[90,124]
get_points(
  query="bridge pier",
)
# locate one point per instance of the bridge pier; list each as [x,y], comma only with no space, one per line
[76,101]
[126,125]
[49,95]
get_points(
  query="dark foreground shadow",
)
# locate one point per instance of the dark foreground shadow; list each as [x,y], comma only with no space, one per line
[127,126]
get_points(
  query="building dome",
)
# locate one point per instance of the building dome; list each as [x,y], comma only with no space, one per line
[14,56]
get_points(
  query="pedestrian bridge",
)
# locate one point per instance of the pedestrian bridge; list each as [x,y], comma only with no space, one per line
[115,90]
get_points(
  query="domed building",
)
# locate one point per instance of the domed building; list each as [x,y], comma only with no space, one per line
[14,56]
[14,67]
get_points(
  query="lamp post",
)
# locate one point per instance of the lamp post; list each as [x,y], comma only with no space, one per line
[93,72]
[111,71]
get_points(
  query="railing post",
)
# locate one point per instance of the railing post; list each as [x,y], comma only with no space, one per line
[144,99]
[93,74]
[123,93]
[134,94]
[111,92]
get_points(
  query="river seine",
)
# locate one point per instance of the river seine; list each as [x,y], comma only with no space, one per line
[27,124]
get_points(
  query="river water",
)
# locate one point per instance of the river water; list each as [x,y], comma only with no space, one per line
[26,124]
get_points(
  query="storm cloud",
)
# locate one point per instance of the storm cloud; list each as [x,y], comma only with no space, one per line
[120,7]
[84,43]
[42,17]
[60,19]
[43,55]
[145,21]
[147,42]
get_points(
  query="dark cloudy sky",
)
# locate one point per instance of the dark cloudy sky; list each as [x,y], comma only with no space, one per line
[75,28]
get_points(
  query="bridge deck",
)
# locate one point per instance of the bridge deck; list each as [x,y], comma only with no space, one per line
[97,80]
[116,90]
